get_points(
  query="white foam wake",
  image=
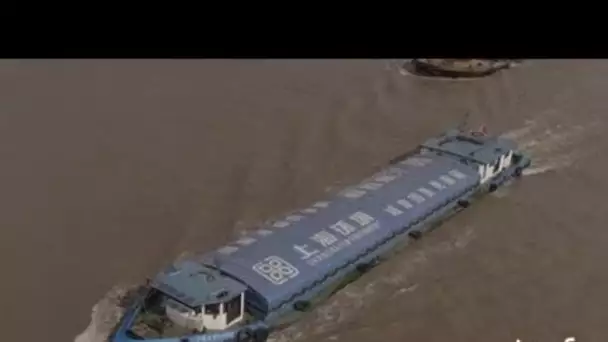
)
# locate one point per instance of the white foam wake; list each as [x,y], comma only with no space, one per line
[105,315]
[554,163]
[552,146]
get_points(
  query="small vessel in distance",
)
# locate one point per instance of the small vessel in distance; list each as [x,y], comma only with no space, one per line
[263,282]
[457,68]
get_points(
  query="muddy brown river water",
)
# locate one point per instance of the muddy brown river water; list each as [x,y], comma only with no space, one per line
[112,168]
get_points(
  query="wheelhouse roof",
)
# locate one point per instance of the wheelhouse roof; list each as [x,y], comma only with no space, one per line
[194,284]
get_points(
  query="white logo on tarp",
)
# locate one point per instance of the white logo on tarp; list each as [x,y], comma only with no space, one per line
[276,270]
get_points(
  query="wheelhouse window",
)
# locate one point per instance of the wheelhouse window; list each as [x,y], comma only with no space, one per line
[212,309]
[233,309]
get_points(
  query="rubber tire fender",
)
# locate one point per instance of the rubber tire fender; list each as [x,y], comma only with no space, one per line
[301,305]
[261,335]
[245,335]
[518,172]
[415,234]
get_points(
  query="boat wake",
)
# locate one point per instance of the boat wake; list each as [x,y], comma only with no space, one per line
[353,300]
[553,147]
[106,314]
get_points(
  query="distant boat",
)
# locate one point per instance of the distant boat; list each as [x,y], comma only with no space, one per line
[457,68]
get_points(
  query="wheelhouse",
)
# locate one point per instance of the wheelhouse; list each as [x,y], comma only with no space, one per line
[208,316]
[191,298]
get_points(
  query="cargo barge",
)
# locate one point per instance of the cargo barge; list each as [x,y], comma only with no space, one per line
[265,281]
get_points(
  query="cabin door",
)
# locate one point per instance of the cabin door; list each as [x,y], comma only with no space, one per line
[234,310]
